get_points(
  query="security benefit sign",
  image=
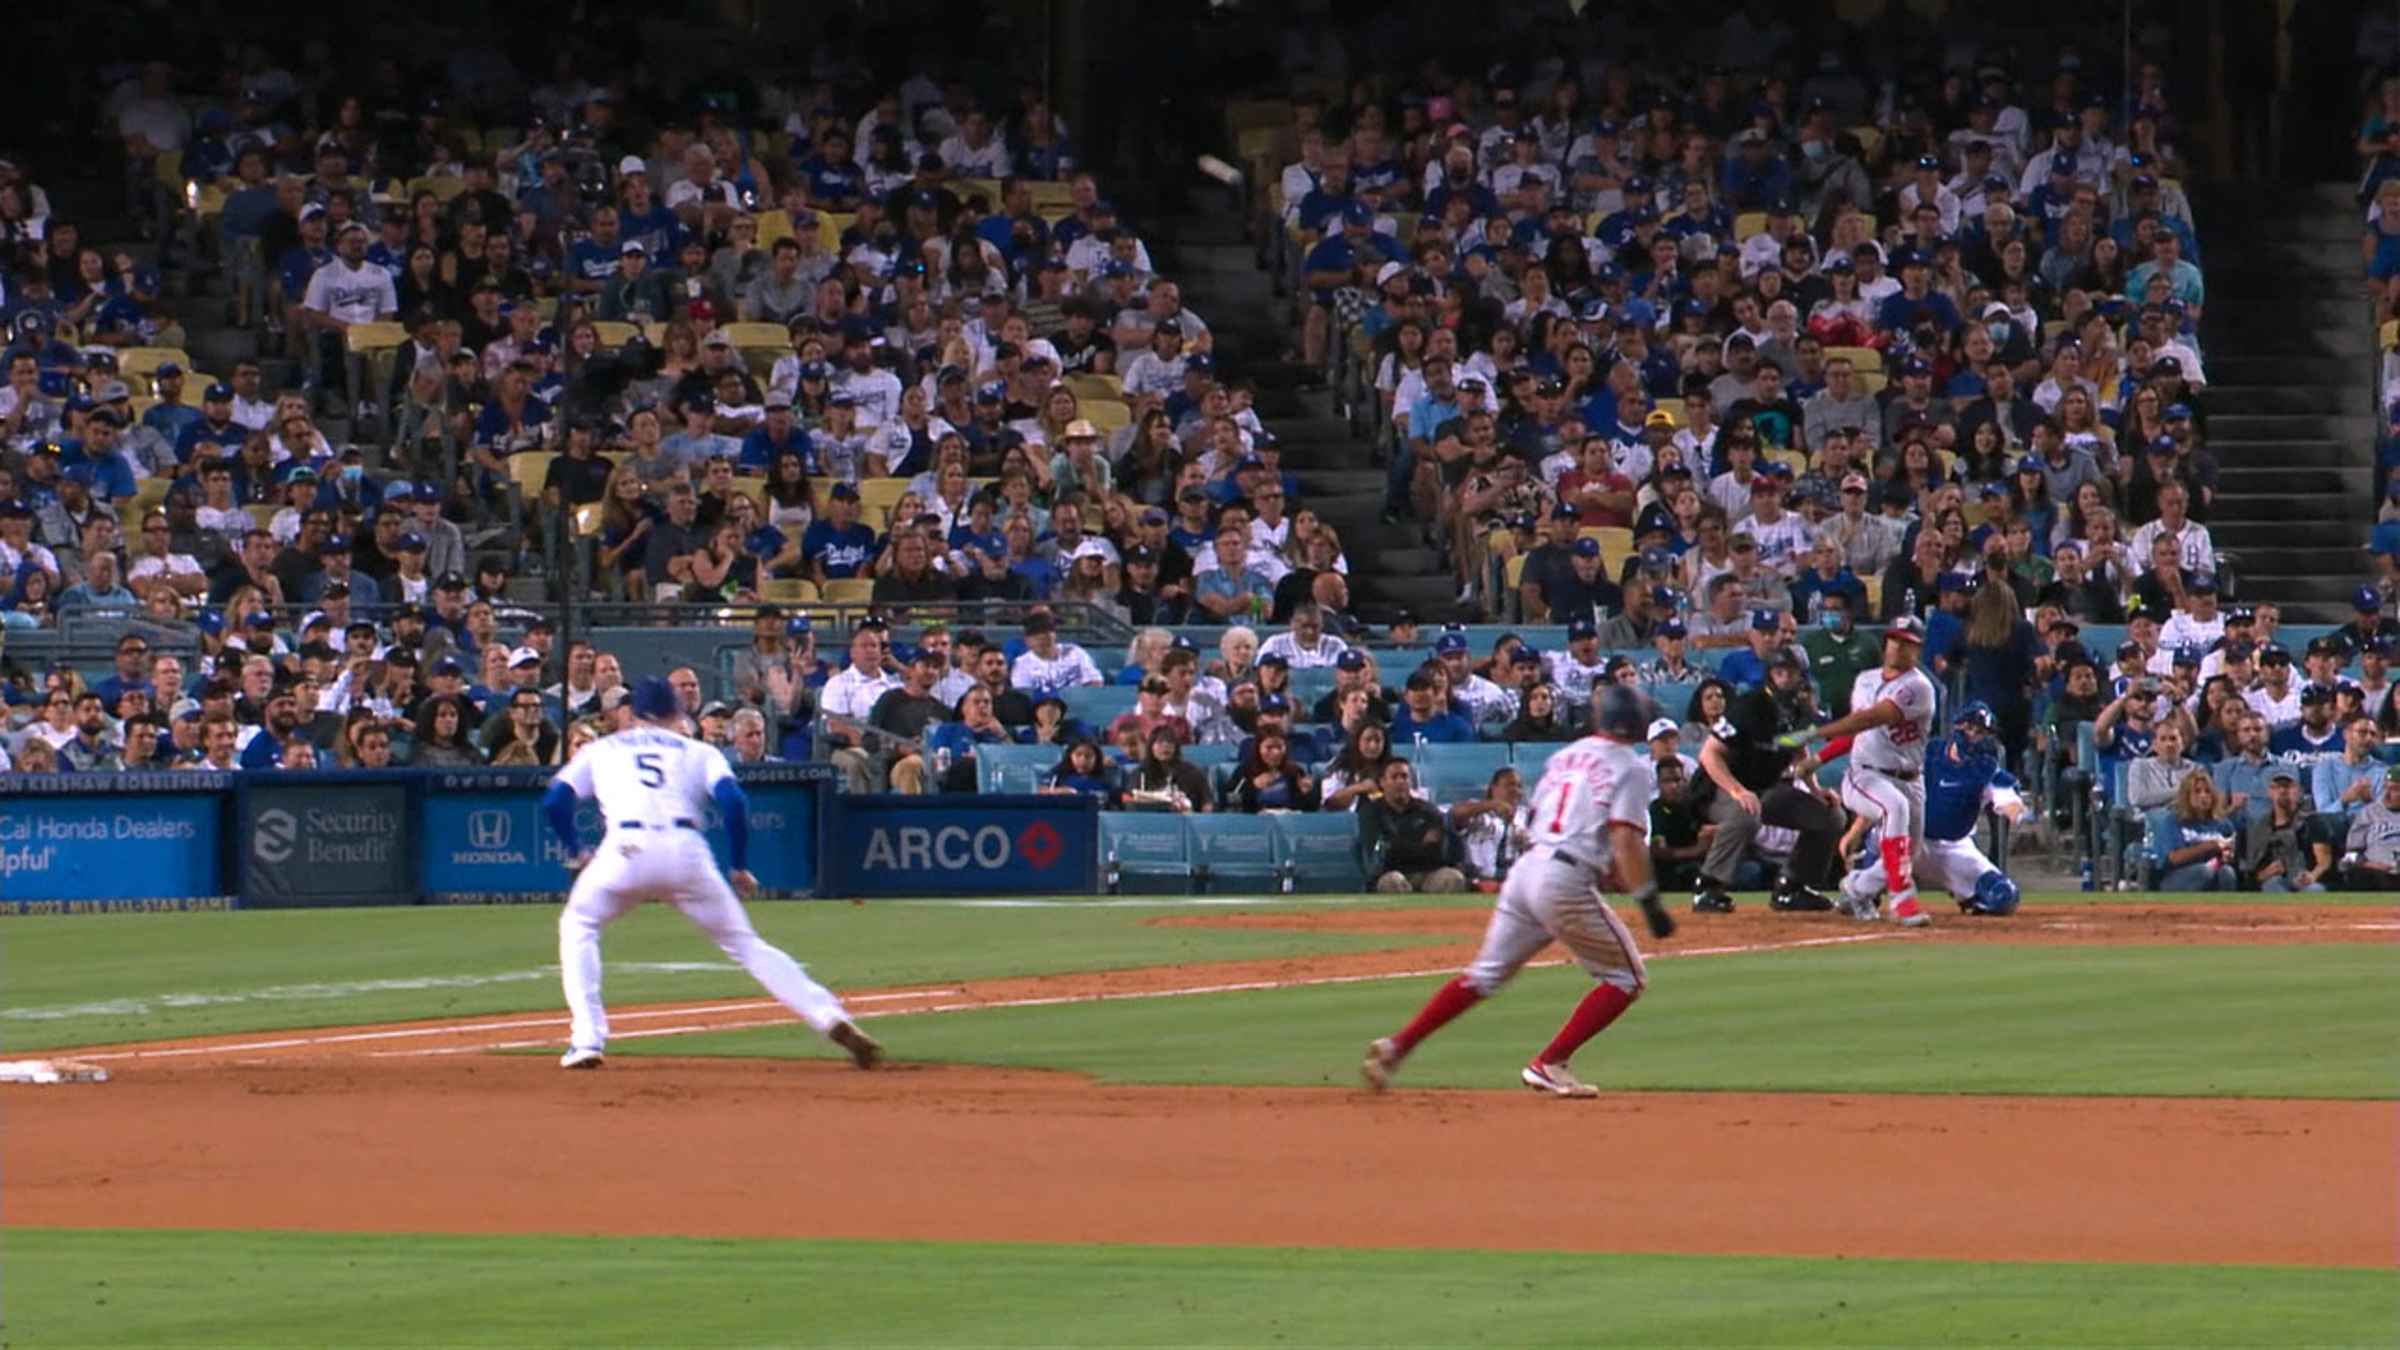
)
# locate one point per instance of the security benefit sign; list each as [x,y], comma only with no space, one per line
[1033,845]
[142,845]
[328,842]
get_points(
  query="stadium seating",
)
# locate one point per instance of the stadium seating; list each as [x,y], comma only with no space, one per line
[1319,852]
[1235,853]
[1146,853]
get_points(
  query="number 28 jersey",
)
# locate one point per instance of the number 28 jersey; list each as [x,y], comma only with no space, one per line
[1900,747]
[1587,787]
[648,774]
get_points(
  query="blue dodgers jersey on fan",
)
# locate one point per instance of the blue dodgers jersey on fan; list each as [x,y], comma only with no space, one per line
[1954,788]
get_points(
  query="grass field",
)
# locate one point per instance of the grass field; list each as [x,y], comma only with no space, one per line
[2282,1021]
[282,1289]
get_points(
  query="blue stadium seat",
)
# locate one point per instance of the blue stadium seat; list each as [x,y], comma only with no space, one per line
[1098,705]
[1146,853]
[1531,757]
[1309,684]
[1454,773]
[1235,853]
[1319,851]
[1672,699]
[1211,755]
[1829,774]
[1012,768]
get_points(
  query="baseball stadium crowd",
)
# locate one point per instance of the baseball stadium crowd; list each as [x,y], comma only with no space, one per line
[1694,376]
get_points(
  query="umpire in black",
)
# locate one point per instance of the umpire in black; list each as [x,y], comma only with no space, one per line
[1746,782]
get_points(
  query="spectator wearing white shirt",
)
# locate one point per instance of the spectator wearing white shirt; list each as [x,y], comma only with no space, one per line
[2199,624]
[2191,537]
[1305,645]
[1927,188]
[1049,665]
[342,294]
[876,390]
[977,151]
[848,701]
[1158,371]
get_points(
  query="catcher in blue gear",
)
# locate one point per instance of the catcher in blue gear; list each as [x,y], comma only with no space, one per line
[1963,774]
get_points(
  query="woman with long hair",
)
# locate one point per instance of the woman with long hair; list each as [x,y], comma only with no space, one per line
[1081,771]
[2192,843]
[1358,768]
[1269,780]
[791,497]
[1705,712]
[442,741]
[1147,470]
[1164,780]
[1537,719]
[626,521]
[2000,651]
[2029,500]
[2079,425]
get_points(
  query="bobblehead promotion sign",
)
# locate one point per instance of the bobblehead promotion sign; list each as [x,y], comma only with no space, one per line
[75,844]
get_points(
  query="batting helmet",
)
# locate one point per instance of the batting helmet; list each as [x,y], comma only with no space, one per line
[653,699]
[1995,895]
[1621,713]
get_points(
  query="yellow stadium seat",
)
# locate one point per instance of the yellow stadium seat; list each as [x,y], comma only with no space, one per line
[771,336]
[1616,545]
[849,591]
[877,497]
[1516,572]
[655,334]
[968,187]
[142,361]
[830,225]
[1674,408]
[1874,584]
[262,514]
[195,384]
[529,469]
[1790,459]
[1861,359]
[1748,223]
[1061,196]
[788,591]
[1870,140]
[612,333]
[2389,334]
[444,189]
[146,498]
[774,225]
[364,338]
[1097,386]
[1107,414]
[1872,381]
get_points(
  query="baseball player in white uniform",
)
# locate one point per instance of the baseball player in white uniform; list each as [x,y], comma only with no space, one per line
[655,786]
[1590,825]
[1890,721]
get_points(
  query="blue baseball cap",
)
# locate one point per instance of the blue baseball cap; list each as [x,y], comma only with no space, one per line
[1581,629]
[2367,600]
[654,698]
[1450,642]
[1764,621]
[1673,628]
[1587,548]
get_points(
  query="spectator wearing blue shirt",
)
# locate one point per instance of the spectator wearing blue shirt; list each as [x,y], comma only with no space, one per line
[2343,783]
[1349,258]
[170,415]
[215,434]
[299,263]
[1754,175]
[1320,212]
[96,462]
[1420,719]
[832,177]
[2191,842]
[1946,626]
[592,261]
[779,434]
[2314,737]
[1746,669]
[1440,405]
[1917,302]
[837,546]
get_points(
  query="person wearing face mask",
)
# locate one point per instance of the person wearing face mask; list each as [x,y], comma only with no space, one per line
[1838,650]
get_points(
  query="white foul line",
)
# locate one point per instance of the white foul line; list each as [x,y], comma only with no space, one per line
[1059,1000]
[459,1028]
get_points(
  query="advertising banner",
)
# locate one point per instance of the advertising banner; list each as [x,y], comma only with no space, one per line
[997,845]
[70,845]
[325,839]
[483,838]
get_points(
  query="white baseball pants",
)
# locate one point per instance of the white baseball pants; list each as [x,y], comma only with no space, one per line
[675,867]
[1547,899]
[1897,808]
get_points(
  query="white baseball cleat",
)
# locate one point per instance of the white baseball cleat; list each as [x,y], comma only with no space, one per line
[1382,1061]
[1556,1079]
[580,1059]
[1909,914]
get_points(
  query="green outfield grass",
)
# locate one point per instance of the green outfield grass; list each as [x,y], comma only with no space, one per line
[100,1288]
[1889,1016]
[162,975]
[86,980]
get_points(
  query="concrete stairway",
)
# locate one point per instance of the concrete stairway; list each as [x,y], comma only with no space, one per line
[2290,352]
[1204,249]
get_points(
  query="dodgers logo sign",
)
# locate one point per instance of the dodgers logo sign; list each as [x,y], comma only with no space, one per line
[999,846]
